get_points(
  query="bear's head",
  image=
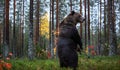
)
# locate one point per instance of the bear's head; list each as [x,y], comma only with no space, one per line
[73,18]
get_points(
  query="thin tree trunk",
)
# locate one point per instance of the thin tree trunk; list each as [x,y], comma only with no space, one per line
[40,36]
[20,53]
[85,25]
[81,23]
[88,26]
[93,41]
[88,23]
[98,51]
[57,17]
[0,37]
[100,19]
[114,39]
[57,23]
[22,50]
[6,29]
[18,48]
[52,45]
[108,23]
[109,8]
[19,37]
[92,36]
[70,5]
[105,22]
[30,43]
[14,36]
[99,29]
[37,23]
[1,25]
[50,30]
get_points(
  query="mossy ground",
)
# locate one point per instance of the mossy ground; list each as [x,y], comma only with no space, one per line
[93,63]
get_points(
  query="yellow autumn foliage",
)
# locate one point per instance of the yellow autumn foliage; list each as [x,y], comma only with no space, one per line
[44,25]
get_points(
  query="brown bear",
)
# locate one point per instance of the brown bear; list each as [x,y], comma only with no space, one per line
[68,39]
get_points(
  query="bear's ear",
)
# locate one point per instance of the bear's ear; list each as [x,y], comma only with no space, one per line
[72,13]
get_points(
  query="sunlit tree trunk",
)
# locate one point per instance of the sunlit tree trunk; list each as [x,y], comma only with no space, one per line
[30,43]
[6,29]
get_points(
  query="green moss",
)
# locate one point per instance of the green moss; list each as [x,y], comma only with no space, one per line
[96,63]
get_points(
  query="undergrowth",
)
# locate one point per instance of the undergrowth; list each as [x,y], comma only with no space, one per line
[85,63]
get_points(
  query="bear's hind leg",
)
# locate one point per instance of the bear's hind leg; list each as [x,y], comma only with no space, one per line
[63,62]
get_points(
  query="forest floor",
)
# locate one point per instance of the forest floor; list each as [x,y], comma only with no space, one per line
[93,63]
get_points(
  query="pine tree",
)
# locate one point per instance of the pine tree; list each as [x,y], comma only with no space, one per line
[112,30]
[30,43]
[6,29]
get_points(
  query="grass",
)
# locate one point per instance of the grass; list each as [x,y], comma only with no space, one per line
[95,63]
[100,63]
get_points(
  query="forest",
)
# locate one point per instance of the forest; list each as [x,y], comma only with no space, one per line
[29,31]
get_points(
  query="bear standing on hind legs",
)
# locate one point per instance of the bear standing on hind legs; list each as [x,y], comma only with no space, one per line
[68,39]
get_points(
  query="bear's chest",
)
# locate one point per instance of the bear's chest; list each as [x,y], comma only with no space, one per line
[66,31]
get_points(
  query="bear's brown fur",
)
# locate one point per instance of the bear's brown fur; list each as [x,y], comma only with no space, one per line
[68,39]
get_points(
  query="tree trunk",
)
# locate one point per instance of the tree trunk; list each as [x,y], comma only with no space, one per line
[100,20]
[50,30]
[105,23]
[37,23]
[57,24]
[30,43]
[105,28]
[70,5]
[57,17]
[81,23]
[14,36]
[99,41]
[22,41]
[85,25]
[112,37]
[21,36]
[0,35]
[6,29]
[99,48]
[52,45]
[89,27]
